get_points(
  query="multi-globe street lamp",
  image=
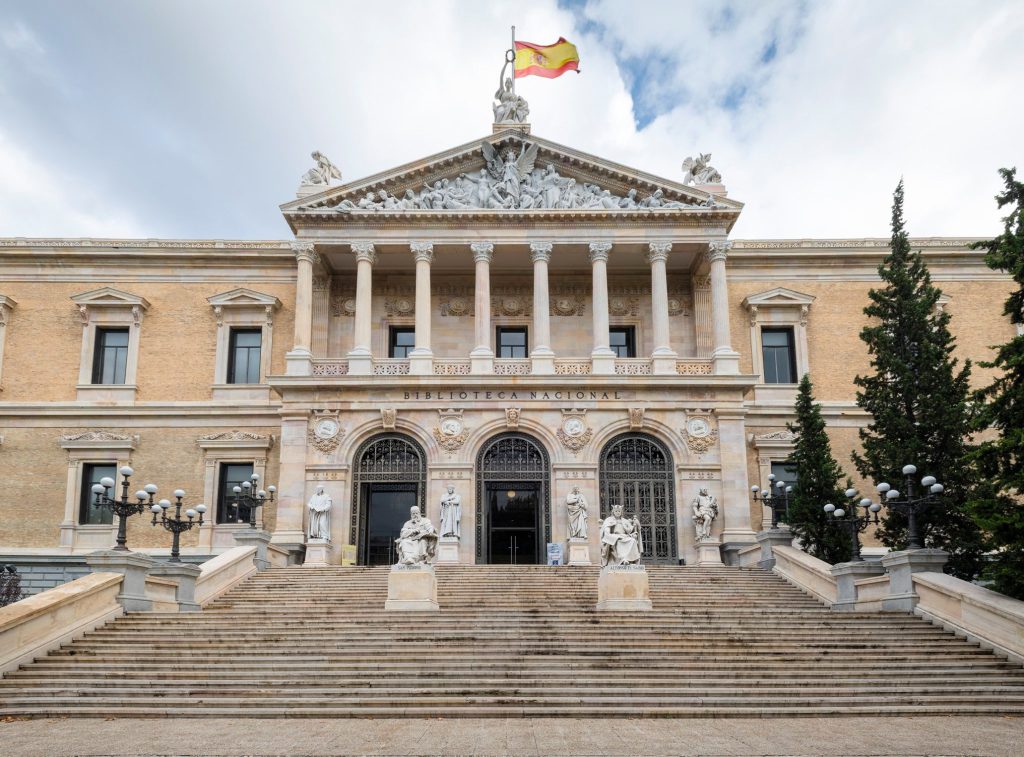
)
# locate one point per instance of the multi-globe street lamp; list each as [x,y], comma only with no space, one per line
[851,522]
[246,495]
[775,496]
[123,508]
[177,525]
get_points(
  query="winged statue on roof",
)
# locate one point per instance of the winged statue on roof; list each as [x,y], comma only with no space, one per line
[509,169]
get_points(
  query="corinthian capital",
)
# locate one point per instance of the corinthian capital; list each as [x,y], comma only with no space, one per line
[599,251]
[718,250]
[540,251]
[482,251]
[305,251]
[364,251]
[422,251]
[658,251]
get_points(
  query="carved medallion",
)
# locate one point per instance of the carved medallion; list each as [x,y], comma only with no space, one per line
[700,432]
[512,417]
[574,433]
[457,306]
[450,432]
[636,417]
[399,306]
[325,433]
[624,306]
[343,305]
[566,305]
[678,304]
[388,417]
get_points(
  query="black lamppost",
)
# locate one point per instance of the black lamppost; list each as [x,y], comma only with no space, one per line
[177,525]
[912,505]
[244,497]
[122,508]
[854,524]
[776,496]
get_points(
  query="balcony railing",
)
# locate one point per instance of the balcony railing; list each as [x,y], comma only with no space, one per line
[633,366]
[449,367]
[391,367]
[330,367]
[572,367]
[513,367]
[694,367]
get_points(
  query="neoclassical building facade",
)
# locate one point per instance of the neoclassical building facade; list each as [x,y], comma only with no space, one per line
[511,317]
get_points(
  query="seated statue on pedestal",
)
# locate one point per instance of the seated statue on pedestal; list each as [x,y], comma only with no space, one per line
[621,541]
[417,541]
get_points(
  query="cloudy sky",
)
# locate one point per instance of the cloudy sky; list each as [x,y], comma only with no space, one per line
[195,118]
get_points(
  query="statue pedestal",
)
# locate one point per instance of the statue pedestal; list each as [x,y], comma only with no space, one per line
[624,588]
[709,552]
[579,552]
[319,553]
[447,551]
[412,587]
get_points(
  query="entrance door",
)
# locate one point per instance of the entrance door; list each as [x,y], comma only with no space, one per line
[513,517]
[387,509]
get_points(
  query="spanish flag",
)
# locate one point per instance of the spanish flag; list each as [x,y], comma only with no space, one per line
[549,61]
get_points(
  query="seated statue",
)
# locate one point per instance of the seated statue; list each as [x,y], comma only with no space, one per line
[417,542]
[621,541]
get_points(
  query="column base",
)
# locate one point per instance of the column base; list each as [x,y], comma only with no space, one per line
[319,553]
[709,553]
[360,363]
[447,551]
[663,363]
[481,361]
[624,588]
[186,576]
[421,363]
[769,539]
[579,552]
[412,587]
[255,537]
[725,361]
[602,363]
[847,574]
[298,363]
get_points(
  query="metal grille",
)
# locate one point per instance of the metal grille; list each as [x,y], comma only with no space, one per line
[511,457]
[385,459]
[636,472]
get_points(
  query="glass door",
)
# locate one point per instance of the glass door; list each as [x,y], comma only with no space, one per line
[513,519]
[387,509]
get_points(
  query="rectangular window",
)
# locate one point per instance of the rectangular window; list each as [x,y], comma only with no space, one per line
[785,472]
[231,475]
[244,356]
[778,355]
[110,356]
[88,513]
[622,340]
[401,341]
[512,341]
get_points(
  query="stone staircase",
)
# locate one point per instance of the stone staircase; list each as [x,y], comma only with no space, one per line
[515,641]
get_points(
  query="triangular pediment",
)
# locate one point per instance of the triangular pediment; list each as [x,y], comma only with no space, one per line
[110,297]
[778,297]
[242,297]
[509,173]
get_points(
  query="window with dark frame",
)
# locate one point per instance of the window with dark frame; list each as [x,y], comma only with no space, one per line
[778,355]
[231,475]
[784,471]
[622,340]
[401,341]
[512,341]
[88,513]
[110,356]
[244,356]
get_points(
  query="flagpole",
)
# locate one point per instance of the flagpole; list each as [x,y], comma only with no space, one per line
[513,60]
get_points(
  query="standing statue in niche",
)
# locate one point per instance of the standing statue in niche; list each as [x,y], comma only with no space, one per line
[451,513]
[417,541]
[705,510]
[320,515]
[323,172]
[576,504]
[621,540]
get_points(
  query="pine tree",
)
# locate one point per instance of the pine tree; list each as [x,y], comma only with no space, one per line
[1001,461]
[817,483]
[918,401]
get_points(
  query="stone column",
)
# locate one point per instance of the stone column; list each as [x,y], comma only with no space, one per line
[601,357]
[726,359]
[360,359]
[482,354]
[299,361]
[289,531]
[421,359]
[542,355]
[663,358]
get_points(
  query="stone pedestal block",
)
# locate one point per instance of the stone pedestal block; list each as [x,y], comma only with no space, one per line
[421,364]
[447,551]
[725,362]
[360,363]
[319,553]
[579,552]
[901,566]
[623,587]
[846,575]
[602,364]
[664,365]
[134,567]
[298,363]
[186,576]
[780,536]
[412,587]
[259,539]
[709,552]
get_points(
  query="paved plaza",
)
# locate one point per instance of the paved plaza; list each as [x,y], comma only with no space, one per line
[522,738]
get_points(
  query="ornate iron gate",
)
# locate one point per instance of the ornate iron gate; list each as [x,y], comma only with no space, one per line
[511,457]
[385,459]
[637,473]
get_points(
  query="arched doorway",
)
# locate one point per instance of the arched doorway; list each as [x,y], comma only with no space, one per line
[389,476]
[513,512]
[637,472]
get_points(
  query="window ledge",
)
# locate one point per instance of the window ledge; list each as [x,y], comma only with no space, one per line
[107,392]
[241,392]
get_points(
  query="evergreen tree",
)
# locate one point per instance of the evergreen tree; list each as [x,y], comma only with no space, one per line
[918,401]
[1001,461]
[817,483]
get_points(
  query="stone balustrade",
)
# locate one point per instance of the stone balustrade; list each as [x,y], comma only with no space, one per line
[224,571]
[808,573]
[334,367]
